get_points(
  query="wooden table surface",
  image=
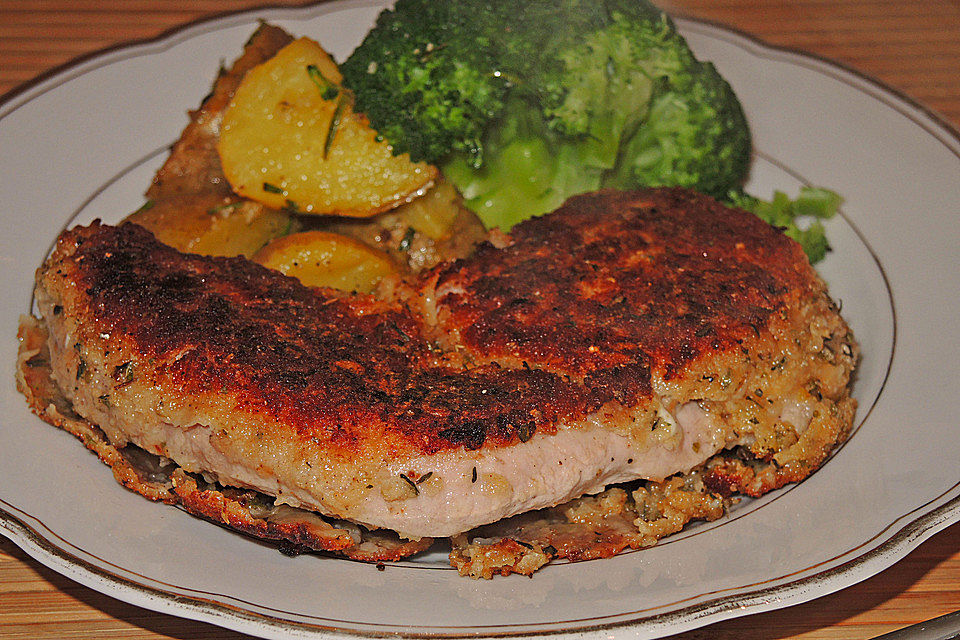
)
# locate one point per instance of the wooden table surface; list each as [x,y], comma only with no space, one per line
[911,45]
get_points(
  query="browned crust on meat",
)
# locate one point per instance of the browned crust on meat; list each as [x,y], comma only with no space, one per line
[615,285]
[501,557]
[588,528]
[755,474]
[47,401]
[352,374]
[232,511]
[345,374]
[193,166]
[232,508]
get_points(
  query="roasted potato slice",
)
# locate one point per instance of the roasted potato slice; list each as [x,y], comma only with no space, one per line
[290,138]
[420,233]
[440,213]
[212,225]
[322,259]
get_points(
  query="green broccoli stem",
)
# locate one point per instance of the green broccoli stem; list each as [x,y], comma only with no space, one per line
[800,218]
[527,170]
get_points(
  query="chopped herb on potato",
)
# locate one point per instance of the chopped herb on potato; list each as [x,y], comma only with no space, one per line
[291,140]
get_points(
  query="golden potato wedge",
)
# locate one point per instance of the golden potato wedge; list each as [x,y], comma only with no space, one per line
[211,225]
[321,259]
[290,138]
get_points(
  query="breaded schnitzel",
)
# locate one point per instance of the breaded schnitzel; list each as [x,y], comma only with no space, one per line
[626,336]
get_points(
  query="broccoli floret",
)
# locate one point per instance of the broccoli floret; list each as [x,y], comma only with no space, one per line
[525,104]
[601,90]
[693,135]
[649,112]
[426,77]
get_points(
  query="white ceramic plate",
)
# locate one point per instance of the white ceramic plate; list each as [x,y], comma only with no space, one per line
[84,144]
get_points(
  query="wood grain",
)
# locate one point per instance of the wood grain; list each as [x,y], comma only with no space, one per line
[911,45]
